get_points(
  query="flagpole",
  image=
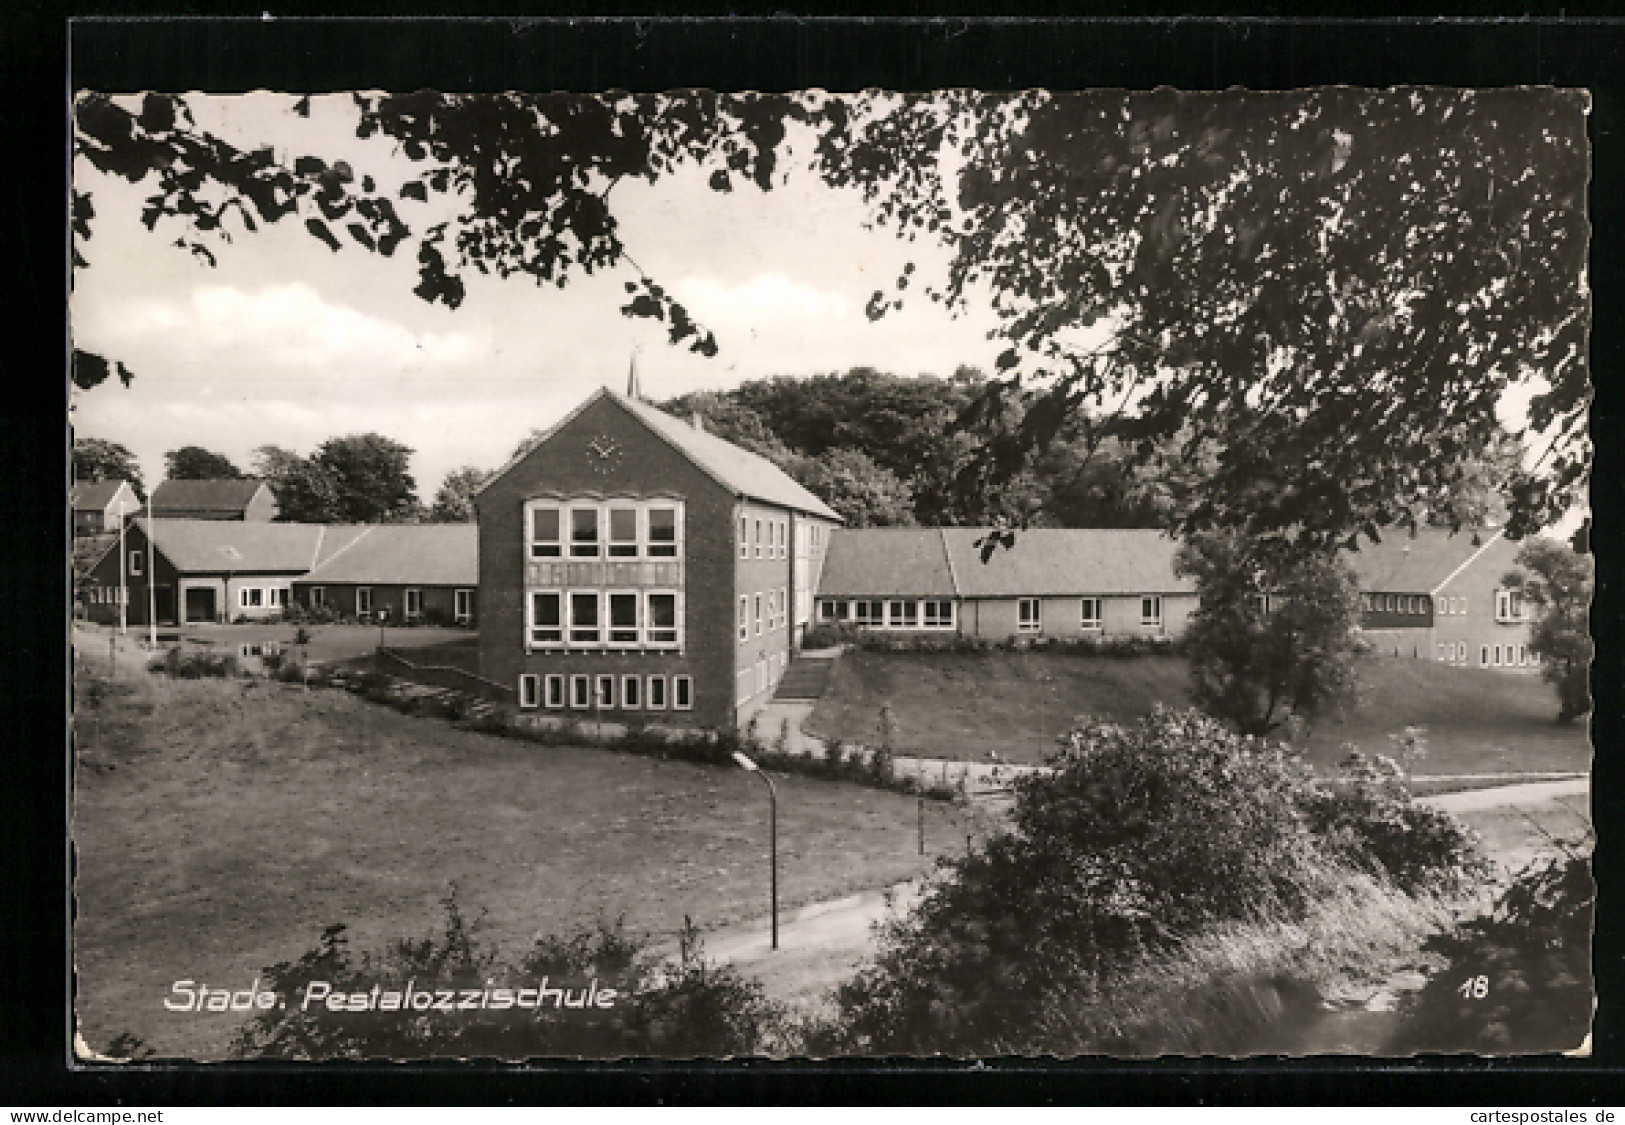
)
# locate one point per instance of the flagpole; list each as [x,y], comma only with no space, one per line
[152,574]
[123,589]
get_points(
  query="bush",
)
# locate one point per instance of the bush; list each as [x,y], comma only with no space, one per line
[301,614]
[1368,819]
[1518,979]
[195,665]
[682,1007]
[1140,838]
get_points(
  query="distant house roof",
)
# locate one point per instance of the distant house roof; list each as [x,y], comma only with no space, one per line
[886,562]
[1043,562]
[89,549]
[217,546]
[204,495]
[1066,561]
[433,554]
[1420,563]
[95,495]
[738,470]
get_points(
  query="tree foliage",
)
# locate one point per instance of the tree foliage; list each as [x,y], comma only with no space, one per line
[370,476]
[863,493]
[1327,290]
[100,459]
[192,462]
[1557,581]
[454,503]
[1273,638]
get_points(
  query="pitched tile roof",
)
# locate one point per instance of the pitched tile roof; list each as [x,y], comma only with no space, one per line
[1420,563]
[946,562]
[1066,561]
[94,495]
[738,470]
[886,562]
[204,495]
[432,554]
[218,546]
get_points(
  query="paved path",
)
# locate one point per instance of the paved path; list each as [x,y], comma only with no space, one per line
[1528,793]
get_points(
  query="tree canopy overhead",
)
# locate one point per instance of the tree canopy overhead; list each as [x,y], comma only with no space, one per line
[1326,292]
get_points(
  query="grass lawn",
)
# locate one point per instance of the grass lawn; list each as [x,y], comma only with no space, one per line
[962,705]
[220,825]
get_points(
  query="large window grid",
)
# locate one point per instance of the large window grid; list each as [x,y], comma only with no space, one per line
[615,620]
[616,529]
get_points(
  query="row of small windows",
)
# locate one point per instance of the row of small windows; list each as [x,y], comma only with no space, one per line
[892,613]
[1508,604]
[263,597]
[107,595]
[769,611]
[603,618]
[605,692]
[1489,656]
[411,602]
[614,530]
[1030,613]
[771,536]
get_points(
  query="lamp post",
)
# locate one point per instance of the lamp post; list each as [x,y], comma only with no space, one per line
[773,835]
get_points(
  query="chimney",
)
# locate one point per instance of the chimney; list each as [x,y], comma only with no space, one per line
[697,421]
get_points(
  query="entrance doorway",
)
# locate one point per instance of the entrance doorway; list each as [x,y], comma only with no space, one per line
[200,603]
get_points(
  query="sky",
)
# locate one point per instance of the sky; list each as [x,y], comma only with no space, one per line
[286,342]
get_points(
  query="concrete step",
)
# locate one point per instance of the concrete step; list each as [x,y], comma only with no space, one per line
[807,678]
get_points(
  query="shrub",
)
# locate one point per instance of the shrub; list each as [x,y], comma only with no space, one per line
[301,614]
[1368,819]
[681,1007]
[1518,980]
[195,665]
[1140,838]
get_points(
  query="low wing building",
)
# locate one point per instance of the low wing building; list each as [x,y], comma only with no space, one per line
[408,573]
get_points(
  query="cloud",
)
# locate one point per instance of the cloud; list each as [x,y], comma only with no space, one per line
[762,298]
[289,326]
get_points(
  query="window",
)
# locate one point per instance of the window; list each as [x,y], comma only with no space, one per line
[1461,606]
[580,692]
[623,533]
[758,605]
[1029,615]
[282,595]
[758,538]
[555,691]
[1483,656]
[783,538]
[938,614]
[661,619]
[1522,658]
[414,603]
[903,615]
[1151,609]
[546,618]
[584,619]
[623,619]
[529,691]
[604,691]
[583,533]
[363,599]
[1090,613]
[1496,660]
[462,606]
[657,693]
[744,538]
[682,693]
[545,540]
[250,597]
[135,564]
[662,533]
[631,692]
[830,610]
[784,607]
[1508,605]
[868,613]
[744,617]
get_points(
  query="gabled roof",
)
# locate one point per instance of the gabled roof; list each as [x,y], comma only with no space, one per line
[1419,563]
[1066,561]
[946,562]
[89,549]
[882,562]
[740,471]
[204,495]
[95,495]
[431,554]
[218,546]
